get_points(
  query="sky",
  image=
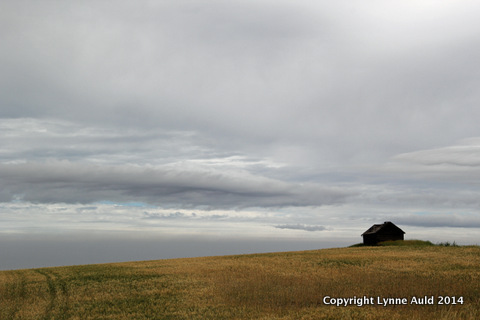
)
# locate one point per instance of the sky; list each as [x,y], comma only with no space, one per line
[138,130]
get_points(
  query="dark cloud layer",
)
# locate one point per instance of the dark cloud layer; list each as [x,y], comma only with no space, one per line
[79,183]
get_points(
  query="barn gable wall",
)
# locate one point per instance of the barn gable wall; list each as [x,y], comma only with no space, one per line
[386,232]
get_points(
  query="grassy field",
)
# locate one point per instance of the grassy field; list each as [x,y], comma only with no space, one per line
[291,285]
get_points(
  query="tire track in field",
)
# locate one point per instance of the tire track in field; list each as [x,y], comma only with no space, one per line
[58,295]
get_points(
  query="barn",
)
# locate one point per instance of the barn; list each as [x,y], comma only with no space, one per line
[382,232]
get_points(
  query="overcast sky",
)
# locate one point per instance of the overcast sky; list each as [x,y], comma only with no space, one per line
[295,120]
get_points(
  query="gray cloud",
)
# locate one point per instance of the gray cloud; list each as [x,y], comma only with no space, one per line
[301,227]
[278,81]
[463,154]
[29,139]
[456,166]
[174,215]
[433,220]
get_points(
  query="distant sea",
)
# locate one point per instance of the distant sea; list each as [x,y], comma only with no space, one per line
[21,251]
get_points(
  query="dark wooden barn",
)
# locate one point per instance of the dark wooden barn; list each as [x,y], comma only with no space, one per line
[382,232]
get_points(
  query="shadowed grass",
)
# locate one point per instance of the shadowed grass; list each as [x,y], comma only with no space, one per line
[407,243]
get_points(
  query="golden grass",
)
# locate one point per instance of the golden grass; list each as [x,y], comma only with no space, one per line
[289,285]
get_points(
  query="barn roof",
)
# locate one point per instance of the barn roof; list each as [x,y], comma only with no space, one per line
[377,227]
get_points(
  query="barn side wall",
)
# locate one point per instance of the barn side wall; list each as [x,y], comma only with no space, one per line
[389,237]
[389,233]
[369,239]
[382,235]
